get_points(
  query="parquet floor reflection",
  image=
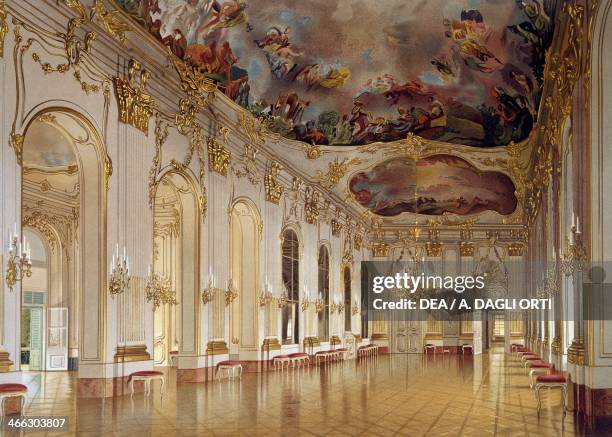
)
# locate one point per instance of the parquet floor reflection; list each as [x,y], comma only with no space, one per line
[391,395]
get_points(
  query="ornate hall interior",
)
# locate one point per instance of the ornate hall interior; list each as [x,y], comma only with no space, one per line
[194,202]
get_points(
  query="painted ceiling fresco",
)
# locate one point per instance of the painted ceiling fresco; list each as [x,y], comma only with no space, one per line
[357,72]
[434,185]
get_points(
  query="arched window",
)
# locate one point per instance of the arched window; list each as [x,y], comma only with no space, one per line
[347,299]
[323,315]
[291,281]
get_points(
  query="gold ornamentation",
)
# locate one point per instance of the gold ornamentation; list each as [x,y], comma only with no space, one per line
[159,290]
[413,146]
[305,303]
[135,105]
[248,165]
[19,263]
[230,294]
[515,249]
[253,128]
[433,248]
[355,309]
[335,171]
[336,307]
[466,249]
[283,300]
[110,21]
[575,255]
[575,353]
[336,227]
[312,151]
[200,92]
[16,142]
[3,27]
[319,305]
[311,206]
[6,364]
[274,188]
[37,220]
[218,156]
[119,279]
[127,354]
[161,134]
[380,249]
[357,242]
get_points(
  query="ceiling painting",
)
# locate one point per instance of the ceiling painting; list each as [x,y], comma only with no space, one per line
[353,72]
[434,185]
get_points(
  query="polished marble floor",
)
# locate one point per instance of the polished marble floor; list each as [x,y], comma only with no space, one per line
[390,395]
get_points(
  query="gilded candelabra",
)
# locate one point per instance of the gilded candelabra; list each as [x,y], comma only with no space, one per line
[265,296]
[119,279]
[19,264]
[305,302]
[283,300]
[208,294]
[230,294]
[575,256]
[319,305]
[159,290]
[336,307]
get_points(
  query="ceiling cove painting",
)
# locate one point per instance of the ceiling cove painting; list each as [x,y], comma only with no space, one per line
[358,71]
[434,185]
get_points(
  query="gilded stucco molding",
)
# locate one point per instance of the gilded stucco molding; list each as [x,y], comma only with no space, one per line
[336,170]
[3,26]
[274,188]
[135,105]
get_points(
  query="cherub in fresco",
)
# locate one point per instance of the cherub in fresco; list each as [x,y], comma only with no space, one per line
[275,36]
[226,14]
[514,113]
[381,85]
[326,76]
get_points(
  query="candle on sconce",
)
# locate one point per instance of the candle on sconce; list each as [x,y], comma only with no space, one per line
[577,225]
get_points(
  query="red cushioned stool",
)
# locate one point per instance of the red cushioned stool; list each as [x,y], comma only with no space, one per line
[538,368]
[12,390]
[299,359]
[429,347]
[230,367]
[553,380]
[146,376]
[281,360]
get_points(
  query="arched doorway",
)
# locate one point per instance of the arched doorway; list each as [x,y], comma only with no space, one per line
[65,173]
[245,232]
[176,257]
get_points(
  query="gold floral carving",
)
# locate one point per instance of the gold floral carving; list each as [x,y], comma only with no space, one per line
[247,166]
[200,91]
[311,206]
[253,128]
[357,242]
[219,157]
[3,27]
[335,171]
[135,105]
[516,249]
[380,249]
[274,188]
[336,227]
[466,249]
[37,220]
[312,151]
[161,134]
[16,142]
[433,249]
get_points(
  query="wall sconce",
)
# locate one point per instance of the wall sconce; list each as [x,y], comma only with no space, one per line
[19,263]
[159,290]
[119,279]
